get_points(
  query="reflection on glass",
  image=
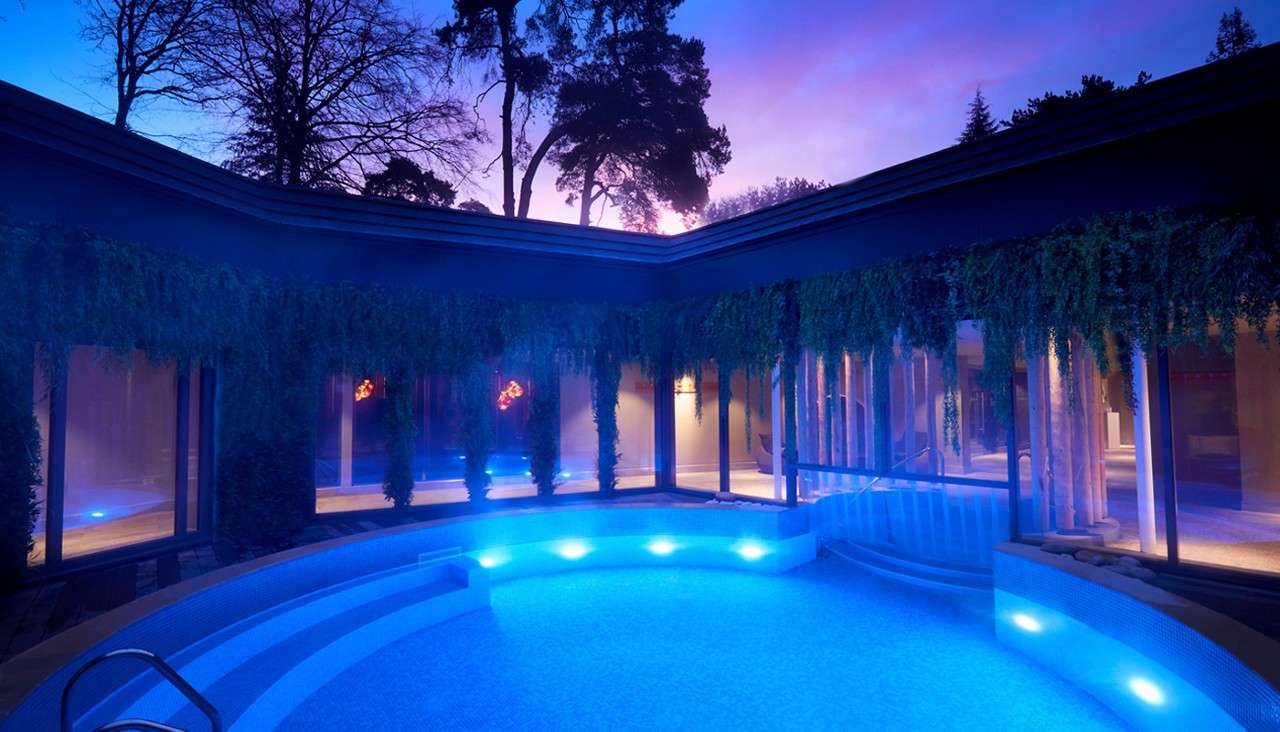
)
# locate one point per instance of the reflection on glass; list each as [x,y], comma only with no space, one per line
[698,440]
[193,450]
[1226,451]
[121,431]
[40,405]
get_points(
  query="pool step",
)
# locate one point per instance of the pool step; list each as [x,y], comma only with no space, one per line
[886,563]
[235,665]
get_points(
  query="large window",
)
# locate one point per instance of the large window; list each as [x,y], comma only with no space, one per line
[131,454]
[579,442]
[751,468]
[1226,450]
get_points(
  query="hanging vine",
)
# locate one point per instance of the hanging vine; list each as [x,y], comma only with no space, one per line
[607,373]
[401,429]
[1159,279]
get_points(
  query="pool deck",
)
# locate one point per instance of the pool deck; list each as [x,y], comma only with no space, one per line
[37,613]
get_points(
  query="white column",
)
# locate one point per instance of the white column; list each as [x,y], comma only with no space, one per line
[1142,454]
[1036,418]
[775,412]
[345,431]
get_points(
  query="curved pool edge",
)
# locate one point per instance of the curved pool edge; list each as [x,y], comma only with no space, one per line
[173,618]
[1157,659]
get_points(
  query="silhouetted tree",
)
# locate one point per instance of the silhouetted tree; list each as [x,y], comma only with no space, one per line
[322,88]
[473,206]
[1092,86]
[487,31]
[634,131]
[1235,36]
[579,32]
[404,180]
[153,44]
[980,123]
[758,197]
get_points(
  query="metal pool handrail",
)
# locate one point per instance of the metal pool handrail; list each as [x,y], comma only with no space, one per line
[164,669]
[942,462]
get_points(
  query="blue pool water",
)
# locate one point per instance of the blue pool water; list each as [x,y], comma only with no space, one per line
[823,647]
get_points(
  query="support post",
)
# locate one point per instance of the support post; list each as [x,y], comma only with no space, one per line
[207,478]
[57,468]
[775,415]
[1168,477]
[1011,459]
[724,394]
[1142,453]
[664,426]
[790,453]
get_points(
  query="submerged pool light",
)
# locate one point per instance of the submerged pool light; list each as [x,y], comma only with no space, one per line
[492,558]
[1027,623]
[572,550]
[750,551]
[1146,690]
[97,514]
[661,547]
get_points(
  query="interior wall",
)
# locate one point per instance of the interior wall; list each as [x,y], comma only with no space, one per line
[578,440]
[1257,406]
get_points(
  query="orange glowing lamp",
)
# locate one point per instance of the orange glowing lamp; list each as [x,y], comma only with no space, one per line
[509,394]
[364,390]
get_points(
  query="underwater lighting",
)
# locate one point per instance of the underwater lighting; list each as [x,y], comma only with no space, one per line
[661,547]
[750,551]
[489,560]
[97,514]
[566,474]
[488,472]
[1027,623]
[572,550]
[528,473]
[1146,690]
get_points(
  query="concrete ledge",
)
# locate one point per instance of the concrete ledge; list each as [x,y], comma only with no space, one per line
[1159,660]
[175,617]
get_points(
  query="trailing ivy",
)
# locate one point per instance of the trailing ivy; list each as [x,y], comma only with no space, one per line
[397,486]
[1161,278]
[544,427]
[607,378]
[19,461]
[477,430]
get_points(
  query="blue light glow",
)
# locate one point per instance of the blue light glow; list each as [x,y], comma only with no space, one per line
[493,558]
[1027,623]
[1146,690]
[97,514]
[661,547]
[566,474]
[488,472]
[750,551]
[573,550]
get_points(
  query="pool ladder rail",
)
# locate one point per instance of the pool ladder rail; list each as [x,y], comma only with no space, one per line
[145,725]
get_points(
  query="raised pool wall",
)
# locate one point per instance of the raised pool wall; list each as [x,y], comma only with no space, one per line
[1160,661]
[761,539]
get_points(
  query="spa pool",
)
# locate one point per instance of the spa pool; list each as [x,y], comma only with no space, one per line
[825,646]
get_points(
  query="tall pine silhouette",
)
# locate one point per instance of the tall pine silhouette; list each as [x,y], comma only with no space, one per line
[1235,36]
[980,123]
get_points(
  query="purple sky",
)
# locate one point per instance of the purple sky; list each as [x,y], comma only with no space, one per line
[815,88]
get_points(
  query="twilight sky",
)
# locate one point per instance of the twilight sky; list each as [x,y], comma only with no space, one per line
[824,89]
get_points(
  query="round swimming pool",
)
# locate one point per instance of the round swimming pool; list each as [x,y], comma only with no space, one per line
[825,646]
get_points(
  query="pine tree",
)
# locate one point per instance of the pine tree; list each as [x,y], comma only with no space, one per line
[1235,36]
[980,122]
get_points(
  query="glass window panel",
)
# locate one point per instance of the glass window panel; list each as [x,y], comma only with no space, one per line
[697,439]
[1224,404]
[121,425]
[193,451]
[40,405]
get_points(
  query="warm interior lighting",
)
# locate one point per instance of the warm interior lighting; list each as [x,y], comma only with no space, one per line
[750,551]
[572,550]
[511,392]
[685,385]
[1027,623]
[661,547]
[364,390]
[1146,690]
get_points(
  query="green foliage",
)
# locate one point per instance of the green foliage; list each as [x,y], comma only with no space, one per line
[19,462]
[607,373]
[544,427]
[1159,278]
[397,486]
[477,430]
